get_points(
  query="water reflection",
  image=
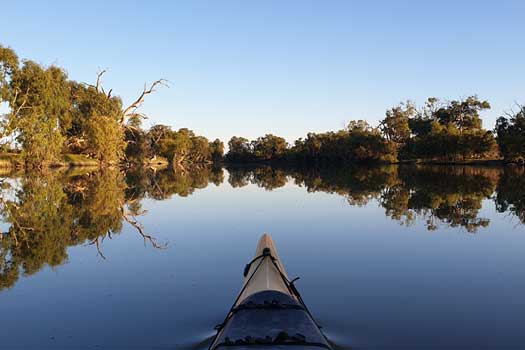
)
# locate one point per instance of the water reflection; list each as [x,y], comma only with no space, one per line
[45,214]
[48,212]
[510,195]
[450,196]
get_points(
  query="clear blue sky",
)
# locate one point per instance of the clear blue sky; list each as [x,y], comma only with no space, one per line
[285,67]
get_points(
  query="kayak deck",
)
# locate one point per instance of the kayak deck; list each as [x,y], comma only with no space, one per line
[263,274]
[268,312]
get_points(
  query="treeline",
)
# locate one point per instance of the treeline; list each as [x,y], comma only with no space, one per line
[442,131]
[50,115]
[179,147]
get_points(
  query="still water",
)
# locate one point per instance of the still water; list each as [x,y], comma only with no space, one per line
[389,257]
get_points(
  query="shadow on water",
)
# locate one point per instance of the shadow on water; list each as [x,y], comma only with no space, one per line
[45,214]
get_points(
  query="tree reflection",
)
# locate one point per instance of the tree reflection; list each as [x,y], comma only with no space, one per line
[46,213]
[39,231]
[510,195]
[450,196]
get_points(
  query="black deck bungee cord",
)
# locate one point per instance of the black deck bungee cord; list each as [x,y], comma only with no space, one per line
[229,314]
[282,338]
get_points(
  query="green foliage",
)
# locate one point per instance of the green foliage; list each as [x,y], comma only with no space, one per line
[511,136]
[105,139]
[40,111]
[184,143]
[88,102]
[138,146]
[239,149]
[395,126]
[358,143]
[269,147]
[464,114]
[365,144]
[51,115]
[182,147]
[216,150]
[8,66]
[449,131]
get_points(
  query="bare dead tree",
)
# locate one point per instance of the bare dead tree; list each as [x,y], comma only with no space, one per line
[99,79]
[98,84]
[131,110]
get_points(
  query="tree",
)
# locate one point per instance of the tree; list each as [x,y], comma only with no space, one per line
[157,136]
[182,145]
[366,144]
[102,116]
[88,102]
[217,150]
[395,126]
[40,111]
[200,150]
[464,114]
[510,130]
[449,131]
[359,142]
[105,139]
[269,147]
[239,149]
[359,126]
[8,66]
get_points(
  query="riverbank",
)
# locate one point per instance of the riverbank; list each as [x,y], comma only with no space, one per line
[282,162]
[15,161]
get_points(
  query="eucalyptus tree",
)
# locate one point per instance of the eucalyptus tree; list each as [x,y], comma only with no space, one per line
[217,150]
[50,115]
[40,112]
[269,147]
[510,130]
[239,149]
[395,125]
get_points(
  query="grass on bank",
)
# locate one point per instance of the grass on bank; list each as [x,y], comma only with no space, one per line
[14,160]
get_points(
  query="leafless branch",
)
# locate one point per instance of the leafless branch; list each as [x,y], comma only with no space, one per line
[131,220]
[97,244]
[130,111]
[99,79]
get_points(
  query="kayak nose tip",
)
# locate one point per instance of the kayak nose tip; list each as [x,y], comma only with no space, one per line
[266,240]
[266,236]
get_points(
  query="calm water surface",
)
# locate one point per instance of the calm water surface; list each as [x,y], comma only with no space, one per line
[393,257]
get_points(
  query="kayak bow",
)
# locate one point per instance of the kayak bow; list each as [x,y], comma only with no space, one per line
[269,311]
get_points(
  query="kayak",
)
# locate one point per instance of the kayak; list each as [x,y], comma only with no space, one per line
[268,312]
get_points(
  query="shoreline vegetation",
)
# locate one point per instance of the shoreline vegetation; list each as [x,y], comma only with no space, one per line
[440,132]
[52,121]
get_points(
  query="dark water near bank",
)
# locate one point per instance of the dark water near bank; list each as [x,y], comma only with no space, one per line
[389,258]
